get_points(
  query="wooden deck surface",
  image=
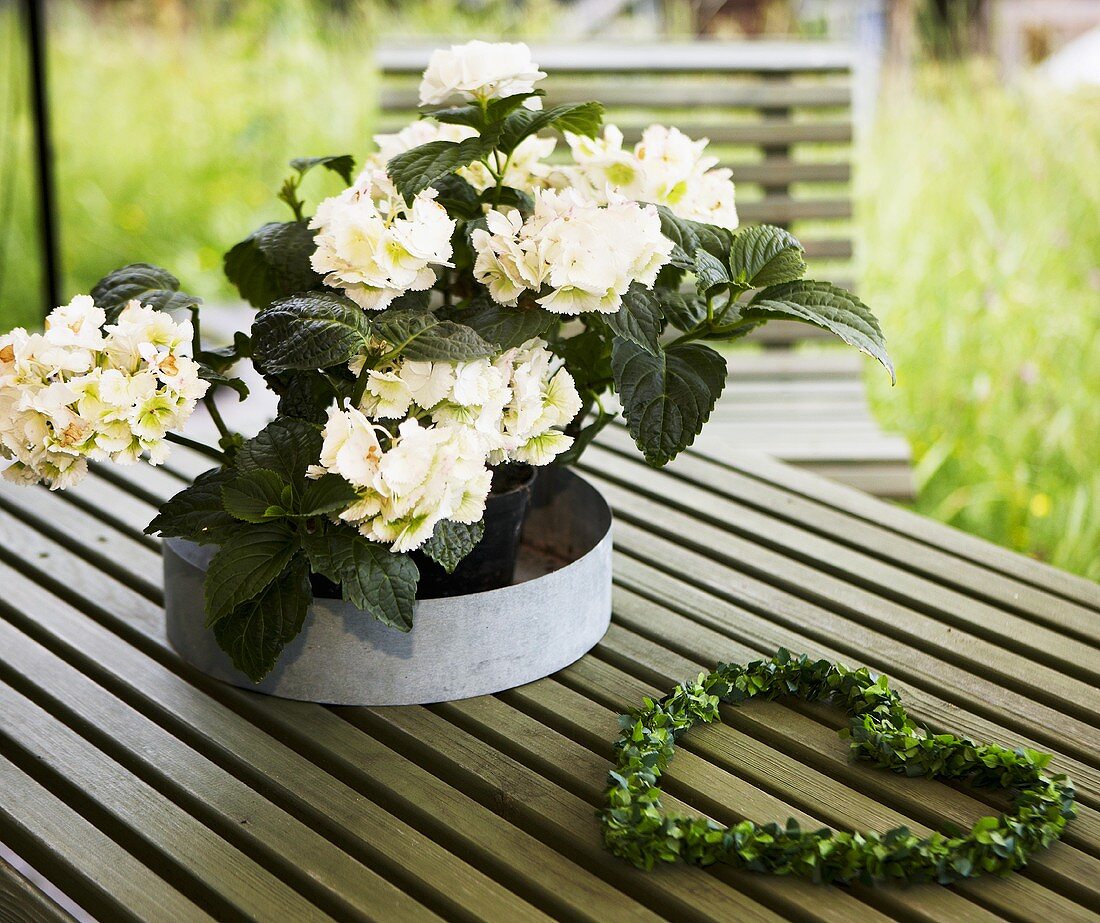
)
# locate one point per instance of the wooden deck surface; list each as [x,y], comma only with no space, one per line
[145,791]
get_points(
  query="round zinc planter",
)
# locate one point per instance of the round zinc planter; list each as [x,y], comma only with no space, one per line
[556,610]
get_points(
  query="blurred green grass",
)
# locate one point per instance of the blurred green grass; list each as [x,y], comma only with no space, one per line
[979,213]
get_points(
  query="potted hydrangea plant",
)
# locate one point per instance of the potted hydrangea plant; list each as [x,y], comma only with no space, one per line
[469,311]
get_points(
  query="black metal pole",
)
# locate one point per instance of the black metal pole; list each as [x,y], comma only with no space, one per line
[43,152]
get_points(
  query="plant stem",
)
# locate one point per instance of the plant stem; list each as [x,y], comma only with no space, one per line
[215,414]
[361,384]
[208,450]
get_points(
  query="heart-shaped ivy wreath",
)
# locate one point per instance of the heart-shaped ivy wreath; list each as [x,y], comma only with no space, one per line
[636,829]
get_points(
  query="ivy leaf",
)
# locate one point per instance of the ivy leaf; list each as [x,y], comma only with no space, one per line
[255,496]
[415,170]
[452,541]
[326,494]
[372,577]
[683,310]
[273,262]
[710,272]
[639,320]
[255,632]
[343,165]
[421,336]
[245,564]
[151,285]
[667,397]
[313,330]
[578,118]
[197,513]
[827,306]
[503,326]
[766,255]
[287,446]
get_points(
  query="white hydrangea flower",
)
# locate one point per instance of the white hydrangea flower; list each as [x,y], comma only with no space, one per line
[585,253]
[478,71]
[665,167]
[375,246]
[85,389]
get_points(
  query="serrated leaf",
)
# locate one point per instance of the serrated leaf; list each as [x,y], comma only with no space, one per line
[765,255]
[640,318]
[287,446]
[313,330]
[506,327]
[372,577]
[253,495]
[827,306]
[452,541]
[273,262]
[668,397]
[246,563]
[689,236]
[255,632]
[710,271]
[578,118]
[415,170]
[343,165]
[151,285]
[327,494]
[684,311]
[197,513]
[421,336]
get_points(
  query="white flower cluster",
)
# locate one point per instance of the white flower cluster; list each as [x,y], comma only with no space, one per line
[457,419]
[666,167]
[526,169]
[83,389]
[586,253]
[478,71]
[375,246]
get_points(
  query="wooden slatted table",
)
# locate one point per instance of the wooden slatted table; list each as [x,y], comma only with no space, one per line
[145,791]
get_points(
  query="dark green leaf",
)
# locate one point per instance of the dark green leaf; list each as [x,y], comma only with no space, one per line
[343,165]
[710,272]
[766,255]
[423,336]
[684,311]
[313,330]
[416,169]
[327,494]
[469,115]
[197,513]
[151,285]
[640,318]
[667,397]
[286,446]
[827,306]
[689,236]
[457,196]
[246,563]
[452,541]
[306,395]
[578,118]
[220,380]
[587,356]
[255,496]
[255,632]
[372,577]
[273,262]
[223,358]
[505,327]
[506,196]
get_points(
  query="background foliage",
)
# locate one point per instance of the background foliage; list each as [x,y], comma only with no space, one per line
[980,235]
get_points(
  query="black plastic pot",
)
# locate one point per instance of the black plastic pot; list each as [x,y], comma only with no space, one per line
[492,563]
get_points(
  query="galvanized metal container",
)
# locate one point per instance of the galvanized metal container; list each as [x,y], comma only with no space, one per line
[557,609]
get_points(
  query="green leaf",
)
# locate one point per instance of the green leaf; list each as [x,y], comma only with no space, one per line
[827,306]
[220,380]
[415,170]
[452,541]
[327,494]
[766,255]
[420,335]
[578,118]
[457,196]
[223,358]
[469,115]
[667,397]
[505,327]
[197,513]
[587,356]
[684,311]
[287,446]
[273,262]
[506,196]
[689,236]
[151,285]
[639,320]
[313,330]
[255,632]
[306,395]
[255,496]
[246,563]
[372,577]
[343,165]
